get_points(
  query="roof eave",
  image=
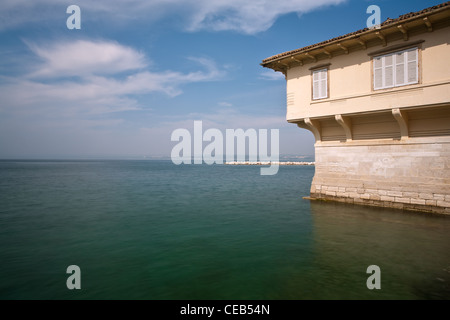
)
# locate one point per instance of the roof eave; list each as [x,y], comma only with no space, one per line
[282,62]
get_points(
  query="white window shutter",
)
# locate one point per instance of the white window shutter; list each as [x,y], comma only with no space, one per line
[378,78]
[413,68]
[412,72]
[396,69]
[378,73]
[378,63]
[316,90]
[316,75]
[323,87]
[320,85]
[399,68]
[388,71]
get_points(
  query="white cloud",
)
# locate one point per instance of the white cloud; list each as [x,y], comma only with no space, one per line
[87,77]
[70,104]
[271,75]
[222,119]
[248,17]
[292,139]
[82,57]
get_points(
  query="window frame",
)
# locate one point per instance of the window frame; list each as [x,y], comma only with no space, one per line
[327,79]
[394,68]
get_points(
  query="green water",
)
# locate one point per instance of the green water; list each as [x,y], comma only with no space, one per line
[154,230]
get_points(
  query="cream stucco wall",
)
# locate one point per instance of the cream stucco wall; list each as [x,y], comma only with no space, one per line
[350,82]
[386,147]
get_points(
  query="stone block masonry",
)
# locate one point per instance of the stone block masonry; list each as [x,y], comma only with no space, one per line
[411,175]
[380,140]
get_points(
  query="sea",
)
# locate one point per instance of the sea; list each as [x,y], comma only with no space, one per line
[153,230]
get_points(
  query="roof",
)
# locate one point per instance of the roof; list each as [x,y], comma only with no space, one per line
[357,34]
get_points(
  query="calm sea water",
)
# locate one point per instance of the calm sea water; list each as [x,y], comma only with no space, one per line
[154,230]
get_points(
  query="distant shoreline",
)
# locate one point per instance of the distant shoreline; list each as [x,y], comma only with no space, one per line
[267,163]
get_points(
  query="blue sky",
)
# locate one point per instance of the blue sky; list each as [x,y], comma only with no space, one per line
[137,70]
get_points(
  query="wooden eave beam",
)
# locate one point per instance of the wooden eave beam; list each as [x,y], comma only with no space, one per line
[343,48]
[404,31]
[308,55]
[428,23]
[362,43]
[282,64]
[382,38]
[298,60]
[328,53]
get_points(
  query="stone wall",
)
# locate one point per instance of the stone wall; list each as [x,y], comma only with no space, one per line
[412,174]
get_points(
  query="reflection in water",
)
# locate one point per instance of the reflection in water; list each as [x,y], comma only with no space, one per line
[412,250]
[153,230]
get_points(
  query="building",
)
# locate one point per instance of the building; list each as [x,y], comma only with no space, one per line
[378,103]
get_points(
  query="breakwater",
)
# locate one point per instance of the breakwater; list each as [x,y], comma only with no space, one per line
[268,163]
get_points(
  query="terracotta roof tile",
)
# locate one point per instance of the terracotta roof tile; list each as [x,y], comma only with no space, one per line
[387,22]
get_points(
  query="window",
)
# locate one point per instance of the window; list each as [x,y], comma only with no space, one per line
[396,69]
[320,84]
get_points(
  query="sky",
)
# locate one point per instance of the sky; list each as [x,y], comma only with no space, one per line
[137,70]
